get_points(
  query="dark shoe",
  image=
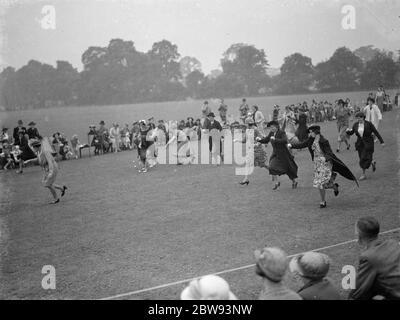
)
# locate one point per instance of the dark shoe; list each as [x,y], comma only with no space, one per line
[337,150]
[336,189]
[322,205]
[63,191]
[55,201]
[277,185]
[348,147]
[294,184]
[373,166]
[244,183]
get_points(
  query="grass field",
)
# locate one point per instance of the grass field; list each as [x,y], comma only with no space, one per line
[118,231]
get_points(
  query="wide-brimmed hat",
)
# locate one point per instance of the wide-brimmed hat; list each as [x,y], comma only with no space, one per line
[311,265]
[32,123]
[273,123]
[143,122]
[211,114]
[209,287]
[102,122]
[273,263]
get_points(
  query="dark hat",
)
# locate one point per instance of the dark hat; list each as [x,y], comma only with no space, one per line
[341,101]
[273,123]
[360,114]
[190,118]
[314,128]
[4,129]
[371,99]
[31,123]
[102,122]
[211,114]
[20,122]
[36,144]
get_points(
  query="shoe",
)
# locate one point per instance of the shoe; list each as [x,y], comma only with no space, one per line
[244,183]
[362,178]
[63,191]
[322,205]
[294,185]
[336,189]
[373,166]
[337,150]
[55,201]
[277,185]
[20,171]
[348,147]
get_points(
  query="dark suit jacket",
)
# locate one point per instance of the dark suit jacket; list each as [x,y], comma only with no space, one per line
[319,290]
[210,126]
[16,136]
[378,271]
[367,140]
[337,164]
[33,133]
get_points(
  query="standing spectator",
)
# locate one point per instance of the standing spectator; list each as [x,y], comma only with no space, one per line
[312,267]
[75,145]
[26,151]
[205,110]
[209,287]
[372,113]
[275,113]
[271,266]
[16,132]
[4,138]
[215,144]
[243,110]
[379,264]
[33,132]
[115,137]
[380,98]
[101,136]
[342,118]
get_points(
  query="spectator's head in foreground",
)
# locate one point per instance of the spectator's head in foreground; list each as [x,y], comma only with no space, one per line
[367,230]
[271,264]
[209,287]
[310,266]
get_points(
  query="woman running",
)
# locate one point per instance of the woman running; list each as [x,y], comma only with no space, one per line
[342,116]
[326,164]
[281,161]
[44,151]
[365,132]
[255,154]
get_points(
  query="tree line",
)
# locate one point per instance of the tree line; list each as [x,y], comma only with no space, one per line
[119,74]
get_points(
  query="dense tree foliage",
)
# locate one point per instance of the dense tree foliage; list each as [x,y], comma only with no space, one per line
[119,74]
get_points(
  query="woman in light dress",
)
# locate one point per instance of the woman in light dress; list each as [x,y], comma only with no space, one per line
[44,152]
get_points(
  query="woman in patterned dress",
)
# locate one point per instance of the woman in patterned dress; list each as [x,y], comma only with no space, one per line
[255,154]
[44,151]
[326,164]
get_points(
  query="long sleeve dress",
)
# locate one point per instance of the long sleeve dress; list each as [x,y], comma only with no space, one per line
[281,161]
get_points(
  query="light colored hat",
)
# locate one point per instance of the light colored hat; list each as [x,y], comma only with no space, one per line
[273,262]
[209,287]
[311,265]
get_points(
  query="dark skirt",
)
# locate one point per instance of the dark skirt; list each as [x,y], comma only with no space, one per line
[27,154]
[283,164]
[366,157]
[302,132]
[142,154]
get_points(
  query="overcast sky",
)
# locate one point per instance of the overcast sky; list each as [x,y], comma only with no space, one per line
[202,28]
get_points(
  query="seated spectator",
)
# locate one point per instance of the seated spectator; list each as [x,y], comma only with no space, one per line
[6,158]
[4,137]
[271,265]
[312,267]
[208,288]
[379,264]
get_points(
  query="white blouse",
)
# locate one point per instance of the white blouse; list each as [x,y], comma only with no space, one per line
[361,129]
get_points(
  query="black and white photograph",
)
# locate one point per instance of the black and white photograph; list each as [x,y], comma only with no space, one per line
[219,150]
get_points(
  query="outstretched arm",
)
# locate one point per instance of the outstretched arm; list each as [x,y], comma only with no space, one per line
[377,134]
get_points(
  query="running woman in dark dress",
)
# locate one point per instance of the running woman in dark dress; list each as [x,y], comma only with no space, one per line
[281,161]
